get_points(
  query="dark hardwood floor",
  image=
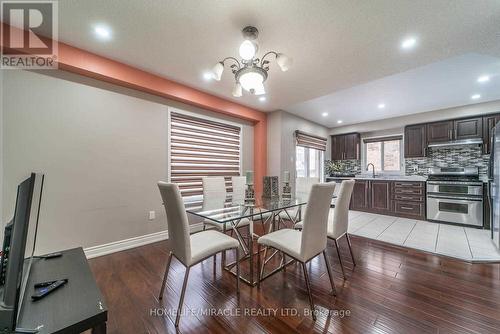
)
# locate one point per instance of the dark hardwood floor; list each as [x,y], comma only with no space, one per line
[391,290]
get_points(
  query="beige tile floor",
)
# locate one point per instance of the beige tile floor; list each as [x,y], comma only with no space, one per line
[456,241]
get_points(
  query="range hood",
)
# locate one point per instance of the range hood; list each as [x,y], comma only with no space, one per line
[453,143]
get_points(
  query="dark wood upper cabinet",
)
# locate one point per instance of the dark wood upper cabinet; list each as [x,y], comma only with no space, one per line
[345,147]
[468,128]
[439,131]
[352,146]
[489,123]
[415,141]
[380,196]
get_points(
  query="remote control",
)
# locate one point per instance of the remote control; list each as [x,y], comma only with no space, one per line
[51,255]
[48,283]
[42,292]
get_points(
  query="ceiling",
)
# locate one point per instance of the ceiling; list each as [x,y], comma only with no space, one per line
[347,55]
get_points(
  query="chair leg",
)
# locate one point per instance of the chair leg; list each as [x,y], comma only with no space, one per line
[311,303]
[329,270]
[350,248]
[165,276]
[181,301]
[223,256]
[215,265]
[338,254]
[237,249]
[258,265]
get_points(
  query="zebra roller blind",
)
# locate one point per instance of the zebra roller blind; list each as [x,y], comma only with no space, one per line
[311,141]
[200,147]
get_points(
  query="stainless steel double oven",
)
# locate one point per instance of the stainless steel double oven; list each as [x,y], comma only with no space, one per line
[455,195]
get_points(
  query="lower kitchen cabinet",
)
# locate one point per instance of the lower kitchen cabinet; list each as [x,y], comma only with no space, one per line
[394,198]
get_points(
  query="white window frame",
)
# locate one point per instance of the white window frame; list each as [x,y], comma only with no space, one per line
[364,155]
[321,158]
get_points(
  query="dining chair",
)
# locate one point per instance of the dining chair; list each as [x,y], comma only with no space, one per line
[215,187]
[303,187]
[190,249]
[302,246]
[338,221]
[239,185]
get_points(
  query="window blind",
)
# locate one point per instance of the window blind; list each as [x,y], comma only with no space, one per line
[379,139]
[199,148]
[311,141]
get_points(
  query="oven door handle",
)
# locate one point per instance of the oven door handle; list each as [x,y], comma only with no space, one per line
[456,198]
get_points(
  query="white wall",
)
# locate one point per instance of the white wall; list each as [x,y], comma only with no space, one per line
[430,116]
[281,141]
[102,149]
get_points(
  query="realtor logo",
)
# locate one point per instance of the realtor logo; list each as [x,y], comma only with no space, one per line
[29,35]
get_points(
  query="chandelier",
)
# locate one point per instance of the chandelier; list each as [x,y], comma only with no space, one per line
[250,72]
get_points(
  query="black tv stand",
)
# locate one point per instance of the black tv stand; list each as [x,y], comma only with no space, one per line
[75,308]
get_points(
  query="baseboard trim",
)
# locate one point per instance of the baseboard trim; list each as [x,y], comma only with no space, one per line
[121,245]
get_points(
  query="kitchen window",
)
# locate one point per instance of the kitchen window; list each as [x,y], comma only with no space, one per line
[200,147]
[384,153]
[309,155]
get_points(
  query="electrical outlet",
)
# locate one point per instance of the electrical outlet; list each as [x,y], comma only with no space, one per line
[152,215]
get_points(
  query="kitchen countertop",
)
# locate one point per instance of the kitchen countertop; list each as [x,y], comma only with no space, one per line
[383,178]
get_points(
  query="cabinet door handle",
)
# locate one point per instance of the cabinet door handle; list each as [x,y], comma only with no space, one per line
[406,208]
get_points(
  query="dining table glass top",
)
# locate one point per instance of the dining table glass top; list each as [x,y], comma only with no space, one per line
[231,208]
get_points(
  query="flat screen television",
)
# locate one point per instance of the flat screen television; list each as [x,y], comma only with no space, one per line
[18,249]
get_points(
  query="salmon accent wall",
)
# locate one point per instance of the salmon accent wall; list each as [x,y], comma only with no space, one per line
[91,65]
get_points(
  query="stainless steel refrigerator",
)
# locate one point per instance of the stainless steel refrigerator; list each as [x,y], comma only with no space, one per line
[494,186]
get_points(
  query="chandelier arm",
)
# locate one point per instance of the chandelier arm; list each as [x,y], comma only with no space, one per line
[233,59]
[265,55]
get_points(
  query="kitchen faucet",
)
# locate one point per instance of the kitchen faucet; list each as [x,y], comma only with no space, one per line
[373,168]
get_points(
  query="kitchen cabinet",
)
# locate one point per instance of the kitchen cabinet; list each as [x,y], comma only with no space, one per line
[394,198]
[468,128]
[415,141]
[380,196]
[346,147]
[439,132]
[359,197]
[489,123]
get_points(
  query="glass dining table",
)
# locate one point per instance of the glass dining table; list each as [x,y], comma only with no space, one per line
[232,214]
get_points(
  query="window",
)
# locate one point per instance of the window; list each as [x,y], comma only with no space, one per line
[201,147]
[309,155]
[384,153]
[309,162]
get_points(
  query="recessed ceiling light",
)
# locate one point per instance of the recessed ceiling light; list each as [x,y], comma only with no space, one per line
[207,76]
[324,114]
[381,106]
[339,121]
[262,98]
[409,43]
[483,78]
[102,32]
[475,96]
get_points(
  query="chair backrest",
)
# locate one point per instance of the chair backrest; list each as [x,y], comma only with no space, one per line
[214,185]
[177,221]
[341,212]
[316,219]
[239,183]
[303,185]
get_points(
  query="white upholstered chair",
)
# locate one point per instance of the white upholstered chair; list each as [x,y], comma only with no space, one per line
[304,245]
[339,219]
[239,183]
[303,187]
[214,189]
[190,249]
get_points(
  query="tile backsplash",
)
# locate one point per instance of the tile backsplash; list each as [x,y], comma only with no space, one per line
[350,166]
[449,157]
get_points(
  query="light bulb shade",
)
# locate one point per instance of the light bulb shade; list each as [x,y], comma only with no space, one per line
[217,71]
[284,62]
[259,90]
[248,49]
[237,90]
[251,80]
